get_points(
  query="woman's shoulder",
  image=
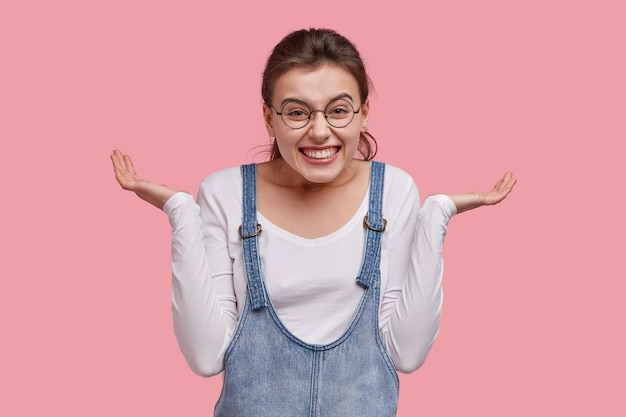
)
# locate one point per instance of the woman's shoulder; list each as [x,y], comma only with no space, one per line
[397,171]
[397,177]
[223,175]
[400,192]
[224,182]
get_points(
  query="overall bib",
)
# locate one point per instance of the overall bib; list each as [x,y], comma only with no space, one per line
[268,372]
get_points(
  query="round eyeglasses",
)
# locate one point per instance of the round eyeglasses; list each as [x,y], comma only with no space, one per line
[296,114]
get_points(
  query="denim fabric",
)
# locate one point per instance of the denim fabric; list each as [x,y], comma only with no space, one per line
[268,372]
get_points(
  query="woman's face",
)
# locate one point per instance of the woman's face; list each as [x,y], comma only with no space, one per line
[318,152]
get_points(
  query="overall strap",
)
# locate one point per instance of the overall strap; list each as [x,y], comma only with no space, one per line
[249,231]
[375,224]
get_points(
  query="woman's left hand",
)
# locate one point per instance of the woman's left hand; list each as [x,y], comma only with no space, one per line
[472,200]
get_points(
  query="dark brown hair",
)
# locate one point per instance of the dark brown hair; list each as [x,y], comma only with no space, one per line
[310,49]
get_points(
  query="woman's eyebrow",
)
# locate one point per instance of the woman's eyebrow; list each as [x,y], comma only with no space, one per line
[341,96]
[291,100]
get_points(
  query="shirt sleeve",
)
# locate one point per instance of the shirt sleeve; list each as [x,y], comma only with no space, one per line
[204,308]
[412,302]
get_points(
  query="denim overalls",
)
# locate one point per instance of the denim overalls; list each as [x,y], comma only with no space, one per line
[268,372]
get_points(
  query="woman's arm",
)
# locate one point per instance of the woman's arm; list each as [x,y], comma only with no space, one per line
[413,299]
[204,307]
[413,296]
[203,303]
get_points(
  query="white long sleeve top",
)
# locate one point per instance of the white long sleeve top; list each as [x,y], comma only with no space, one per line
[311,282]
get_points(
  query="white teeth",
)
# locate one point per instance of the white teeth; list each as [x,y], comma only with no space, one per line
[320,154]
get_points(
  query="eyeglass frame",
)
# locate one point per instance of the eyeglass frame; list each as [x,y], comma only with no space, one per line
[357,111]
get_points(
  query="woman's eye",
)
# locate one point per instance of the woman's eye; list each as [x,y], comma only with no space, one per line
[338,112]
[297,113]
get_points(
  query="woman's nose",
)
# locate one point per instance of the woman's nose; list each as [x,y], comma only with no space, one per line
[319,129]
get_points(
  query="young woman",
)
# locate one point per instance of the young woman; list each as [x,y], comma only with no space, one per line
[312,278]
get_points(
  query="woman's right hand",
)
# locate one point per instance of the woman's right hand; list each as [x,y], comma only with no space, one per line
[155,194]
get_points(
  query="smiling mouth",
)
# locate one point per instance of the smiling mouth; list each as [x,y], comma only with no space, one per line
[319,153]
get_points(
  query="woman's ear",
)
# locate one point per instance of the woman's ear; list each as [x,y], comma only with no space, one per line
[269,120]
[365,110]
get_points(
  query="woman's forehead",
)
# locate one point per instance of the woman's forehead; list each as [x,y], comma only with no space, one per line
[316,86]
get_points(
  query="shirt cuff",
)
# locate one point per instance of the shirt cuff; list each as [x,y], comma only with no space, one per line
[445,202]
[176,207]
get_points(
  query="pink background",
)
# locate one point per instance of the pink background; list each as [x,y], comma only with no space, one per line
[534,314]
